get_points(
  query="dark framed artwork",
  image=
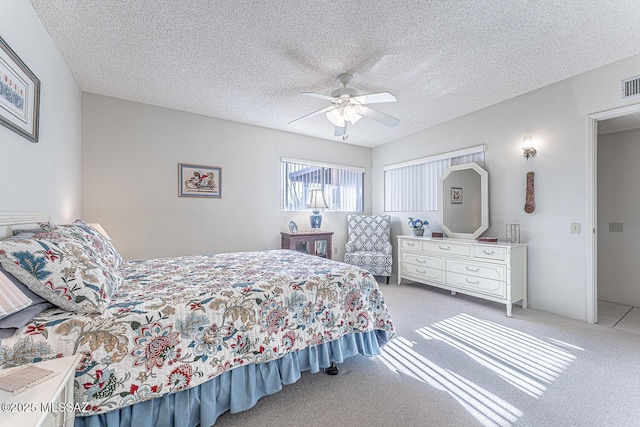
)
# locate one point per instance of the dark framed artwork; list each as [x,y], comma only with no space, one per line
[199,181]
[19,95]
[456,195]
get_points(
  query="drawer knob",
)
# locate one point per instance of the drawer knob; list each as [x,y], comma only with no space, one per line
[444,248]
[486,252]
[475,270]
[472,282]
[420,271]
[421,261]
[410,244]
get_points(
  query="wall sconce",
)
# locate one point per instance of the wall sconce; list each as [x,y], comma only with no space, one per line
[528,149]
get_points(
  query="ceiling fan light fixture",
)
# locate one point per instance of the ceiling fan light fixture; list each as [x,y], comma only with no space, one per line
[347,107]
[339,116]
[350,114]
[335,117]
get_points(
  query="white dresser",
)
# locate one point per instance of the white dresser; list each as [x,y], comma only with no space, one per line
[493,271]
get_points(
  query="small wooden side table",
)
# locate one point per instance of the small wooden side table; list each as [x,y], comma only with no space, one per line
[312,243]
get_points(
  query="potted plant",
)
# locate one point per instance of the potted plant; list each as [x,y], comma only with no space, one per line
[418,225]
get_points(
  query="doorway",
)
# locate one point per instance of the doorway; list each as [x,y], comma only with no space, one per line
[615,119]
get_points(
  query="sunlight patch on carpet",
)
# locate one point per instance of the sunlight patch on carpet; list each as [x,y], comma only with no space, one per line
[487,408]
[524,361]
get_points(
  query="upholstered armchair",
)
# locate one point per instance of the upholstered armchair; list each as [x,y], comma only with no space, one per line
[369,246]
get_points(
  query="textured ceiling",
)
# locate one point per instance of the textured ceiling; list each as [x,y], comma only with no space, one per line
[249,61]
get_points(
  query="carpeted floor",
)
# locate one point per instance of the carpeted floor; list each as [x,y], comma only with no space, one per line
[459,361]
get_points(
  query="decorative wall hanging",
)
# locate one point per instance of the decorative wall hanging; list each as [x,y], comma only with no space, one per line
[199,181]
[529,206]
[19,94]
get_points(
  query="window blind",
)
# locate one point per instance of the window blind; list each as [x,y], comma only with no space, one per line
[342,185]
[413,186]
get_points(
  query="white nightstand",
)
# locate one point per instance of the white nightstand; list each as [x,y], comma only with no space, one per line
[43,404]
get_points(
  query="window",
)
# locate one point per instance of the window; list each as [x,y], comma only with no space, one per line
[413,186]
[343,185]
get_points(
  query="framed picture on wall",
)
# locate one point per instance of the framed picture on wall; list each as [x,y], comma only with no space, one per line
[199,181]
[456,195]
[19,94]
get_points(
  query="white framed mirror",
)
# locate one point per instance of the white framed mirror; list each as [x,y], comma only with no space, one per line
[464,201]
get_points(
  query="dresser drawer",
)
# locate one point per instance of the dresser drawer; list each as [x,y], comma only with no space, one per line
[476,269]
[447,248]
[426,273]
[423,260]
[491,287]
[488,252]
[410,245]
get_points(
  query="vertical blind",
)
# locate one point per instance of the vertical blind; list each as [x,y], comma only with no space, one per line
[342,185]
[413,186]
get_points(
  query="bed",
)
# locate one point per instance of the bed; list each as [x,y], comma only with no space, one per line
[178,341]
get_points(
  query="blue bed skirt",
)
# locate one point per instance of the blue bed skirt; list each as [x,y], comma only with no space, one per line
[236,390]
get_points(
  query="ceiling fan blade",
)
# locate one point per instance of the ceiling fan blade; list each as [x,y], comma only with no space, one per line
[370,113]
[340,131]
[374,98]
[321,96]
[315,113]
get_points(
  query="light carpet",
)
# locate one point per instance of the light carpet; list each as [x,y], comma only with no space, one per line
[459,361]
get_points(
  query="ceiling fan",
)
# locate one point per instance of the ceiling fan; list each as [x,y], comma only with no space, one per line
[347,107]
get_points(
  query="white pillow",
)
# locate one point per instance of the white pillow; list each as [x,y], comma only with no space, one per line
[11,298]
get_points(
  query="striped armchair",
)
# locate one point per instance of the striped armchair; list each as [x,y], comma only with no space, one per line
[369,246]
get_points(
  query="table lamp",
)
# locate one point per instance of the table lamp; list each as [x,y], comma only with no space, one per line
[316,202]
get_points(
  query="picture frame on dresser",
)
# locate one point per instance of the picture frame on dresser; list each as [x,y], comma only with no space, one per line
[19,95]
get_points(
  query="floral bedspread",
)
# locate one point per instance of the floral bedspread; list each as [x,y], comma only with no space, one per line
[178,322]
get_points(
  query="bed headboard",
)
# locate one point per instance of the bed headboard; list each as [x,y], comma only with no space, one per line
[12,220]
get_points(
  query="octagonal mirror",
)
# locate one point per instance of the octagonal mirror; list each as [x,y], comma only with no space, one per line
[464,201]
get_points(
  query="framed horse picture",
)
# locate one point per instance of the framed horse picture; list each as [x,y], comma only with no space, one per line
[199,181]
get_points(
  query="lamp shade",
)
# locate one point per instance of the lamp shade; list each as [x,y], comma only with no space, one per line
[528,150]
[316,200]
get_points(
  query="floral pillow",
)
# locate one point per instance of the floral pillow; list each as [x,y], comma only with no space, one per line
[105,252]
[96,247]
[61,270]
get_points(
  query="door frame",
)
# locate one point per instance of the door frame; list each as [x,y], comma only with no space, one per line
[592,203]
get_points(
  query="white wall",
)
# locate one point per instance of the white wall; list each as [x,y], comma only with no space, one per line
[619,201]
[130,154]
[42,177]
[557,118]
[130,157]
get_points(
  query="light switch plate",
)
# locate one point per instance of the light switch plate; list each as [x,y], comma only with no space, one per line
[575,228]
